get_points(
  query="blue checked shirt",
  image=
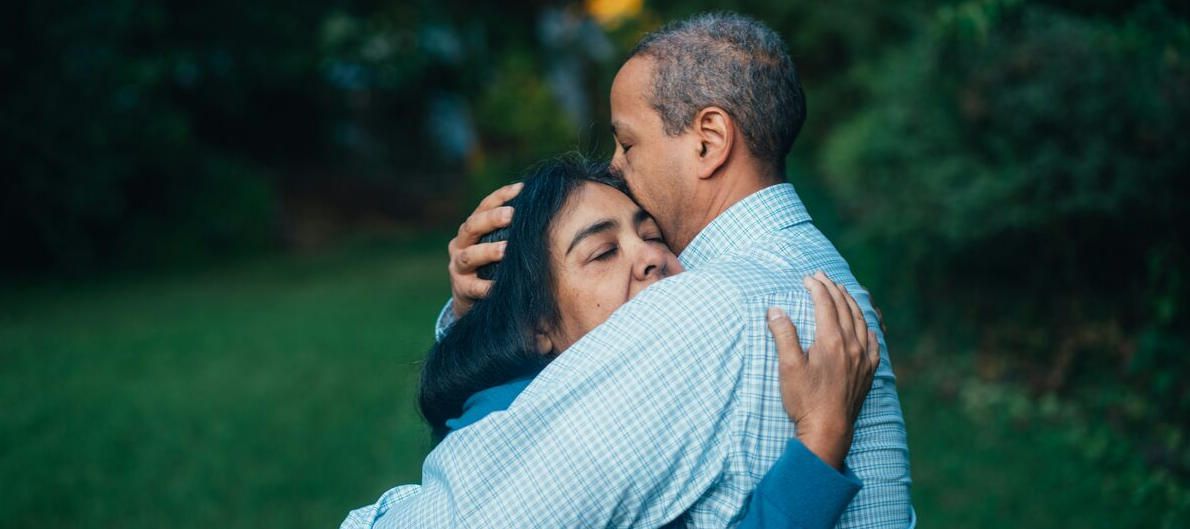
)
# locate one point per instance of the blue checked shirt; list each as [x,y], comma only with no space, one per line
[670,410]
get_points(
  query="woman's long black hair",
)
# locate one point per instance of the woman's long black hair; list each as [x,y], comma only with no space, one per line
[495,342]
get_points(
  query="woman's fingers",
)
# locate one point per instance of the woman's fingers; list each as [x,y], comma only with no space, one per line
[843,312]
[857,318]
[826,318]
[873,350]
[789,349]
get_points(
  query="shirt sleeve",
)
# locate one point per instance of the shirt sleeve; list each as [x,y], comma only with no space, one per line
[580,446]
[446,318]
[364,517]
[800,491]
[879,453]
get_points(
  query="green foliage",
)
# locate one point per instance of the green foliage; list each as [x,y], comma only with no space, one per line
[143,134]
[521,122]
[112,121]
[1043,119]
[1019,171]
[986,453]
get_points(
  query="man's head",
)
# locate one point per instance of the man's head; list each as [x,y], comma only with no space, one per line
[704,112]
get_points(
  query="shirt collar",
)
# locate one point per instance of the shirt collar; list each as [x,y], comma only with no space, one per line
[768,210]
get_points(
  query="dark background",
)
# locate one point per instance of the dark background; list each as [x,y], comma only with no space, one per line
[224,229]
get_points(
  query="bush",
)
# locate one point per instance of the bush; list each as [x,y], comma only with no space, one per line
[1020,168]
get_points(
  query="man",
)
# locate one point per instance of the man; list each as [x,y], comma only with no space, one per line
[670,411]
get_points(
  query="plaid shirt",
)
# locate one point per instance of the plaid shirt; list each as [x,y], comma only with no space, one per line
[670,410]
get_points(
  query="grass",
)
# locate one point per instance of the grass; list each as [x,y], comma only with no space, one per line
[278,393]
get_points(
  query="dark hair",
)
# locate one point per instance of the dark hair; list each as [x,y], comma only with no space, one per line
[732,62]
[495,341]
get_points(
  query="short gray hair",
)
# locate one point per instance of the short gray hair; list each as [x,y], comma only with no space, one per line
[733,62]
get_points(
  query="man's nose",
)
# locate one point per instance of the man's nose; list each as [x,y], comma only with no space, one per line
[615,165]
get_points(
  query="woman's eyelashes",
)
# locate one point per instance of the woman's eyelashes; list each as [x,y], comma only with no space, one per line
[651,233]
[606,253]
[609,250]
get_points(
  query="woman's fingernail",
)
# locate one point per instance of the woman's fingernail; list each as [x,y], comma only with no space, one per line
[775,313]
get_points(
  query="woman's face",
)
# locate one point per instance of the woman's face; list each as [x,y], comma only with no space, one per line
[605,249]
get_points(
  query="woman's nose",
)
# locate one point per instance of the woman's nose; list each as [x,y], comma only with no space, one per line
[650,264]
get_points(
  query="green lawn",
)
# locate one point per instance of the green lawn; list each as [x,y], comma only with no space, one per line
[278,393]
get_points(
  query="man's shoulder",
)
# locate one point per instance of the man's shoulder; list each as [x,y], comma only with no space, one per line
[774,264]
[694,292]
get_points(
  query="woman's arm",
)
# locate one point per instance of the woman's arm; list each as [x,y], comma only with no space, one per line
[809,486]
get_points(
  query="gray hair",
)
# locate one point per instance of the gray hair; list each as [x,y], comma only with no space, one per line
[732,62]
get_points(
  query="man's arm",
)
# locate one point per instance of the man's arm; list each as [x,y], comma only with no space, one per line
[627,427]
[364,517]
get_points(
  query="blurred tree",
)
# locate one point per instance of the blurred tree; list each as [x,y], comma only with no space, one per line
[162,132]
[128,127]
[1020,168]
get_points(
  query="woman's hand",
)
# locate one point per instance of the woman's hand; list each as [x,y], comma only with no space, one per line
[823,388]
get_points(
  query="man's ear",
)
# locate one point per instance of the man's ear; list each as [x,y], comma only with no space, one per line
[715,131]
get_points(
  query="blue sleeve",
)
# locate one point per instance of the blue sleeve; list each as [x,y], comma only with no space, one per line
[800,491]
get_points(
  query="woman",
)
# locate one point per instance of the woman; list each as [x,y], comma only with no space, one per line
[577,249]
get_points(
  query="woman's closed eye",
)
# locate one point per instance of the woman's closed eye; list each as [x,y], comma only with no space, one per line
[603,254]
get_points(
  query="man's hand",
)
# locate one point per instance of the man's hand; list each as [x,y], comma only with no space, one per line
[823,389]
[467,254]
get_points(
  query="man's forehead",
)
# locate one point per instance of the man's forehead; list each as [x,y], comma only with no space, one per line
[632,82]
[636,68]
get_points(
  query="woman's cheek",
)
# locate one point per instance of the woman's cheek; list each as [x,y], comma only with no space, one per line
[605,302]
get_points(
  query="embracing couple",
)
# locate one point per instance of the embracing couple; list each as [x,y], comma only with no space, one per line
[665,340]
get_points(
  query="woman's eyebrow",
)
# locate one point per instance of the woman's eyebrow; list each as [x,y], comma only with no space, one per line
[598,227]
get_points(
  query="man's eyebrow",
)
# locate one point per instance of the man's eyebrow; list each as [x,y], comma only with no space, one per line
[598,227]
